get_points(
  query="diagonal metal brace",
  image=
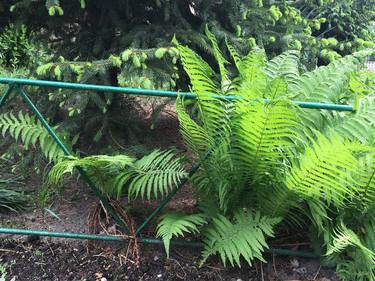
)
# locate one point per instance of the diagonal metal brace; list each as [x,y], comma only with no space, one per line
[6,95]
[102,197]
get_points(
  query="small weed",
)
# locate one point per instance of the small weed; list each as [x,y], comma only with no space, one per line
[38,254]
[4,273]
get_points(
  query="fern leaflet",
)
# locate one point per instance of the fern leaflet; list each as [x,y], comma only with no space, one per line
[245,237]
[30,131]
[156,173]
[176,224]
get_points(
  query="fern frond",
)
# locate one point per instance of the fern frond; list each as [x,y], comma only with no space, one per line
[213,112]
[325,170]
[101,168]
[29,131]
[215,115]
[195,136]
[156,173]
[245,237]
[274,200]
[326,83]
[276,89]
[369,230]
[331,84]
[284,65]
[366,179]
[105,164]
[220,60]
[252,80]
[235,56]
[354,270]
[176,224]
[217,179]
[202,76]
[261,132]
[345,237]
[252,63]
[318,214]
[356,125]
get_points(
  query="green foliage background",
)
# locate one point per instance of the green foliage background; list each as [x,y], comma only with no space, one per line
[128,43]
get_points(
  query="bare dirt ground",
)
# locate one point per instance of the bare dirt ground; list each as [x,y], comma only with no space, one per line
[58,259]
[38,260]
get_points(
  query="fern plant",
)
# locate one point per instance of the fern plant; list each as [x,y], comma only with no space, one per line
[269,160]
[275,159]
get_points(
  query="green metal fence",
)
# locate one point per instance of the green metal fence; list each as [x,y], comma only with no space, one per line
[16,86]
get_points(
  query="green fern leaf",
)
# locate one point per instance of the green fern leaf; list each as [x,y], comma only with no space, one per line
[213,111]
[355,125]
[366,196]
[176,224]
[361,266]
[221,61]
[326,170]
[108,164]
[195,136]
[262,133]
[30,131]
[276,89]
[101,168]
[354,270]
[235,56]
[245,237]
[274,200]
[344,237]
[252,80]
[157,173]
[201,75]
[326,83]
[284,65]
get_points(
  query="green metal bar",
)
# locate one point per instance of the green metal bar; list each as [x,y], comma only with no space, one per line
[6,95]
[155,93]
[327,106]
[109,238]
[93,87]
[84,236]
[66,151]
[286,252]
[15,231]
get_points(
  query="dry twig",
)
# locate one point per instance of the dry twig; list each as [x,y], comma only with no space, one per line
[317,273]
